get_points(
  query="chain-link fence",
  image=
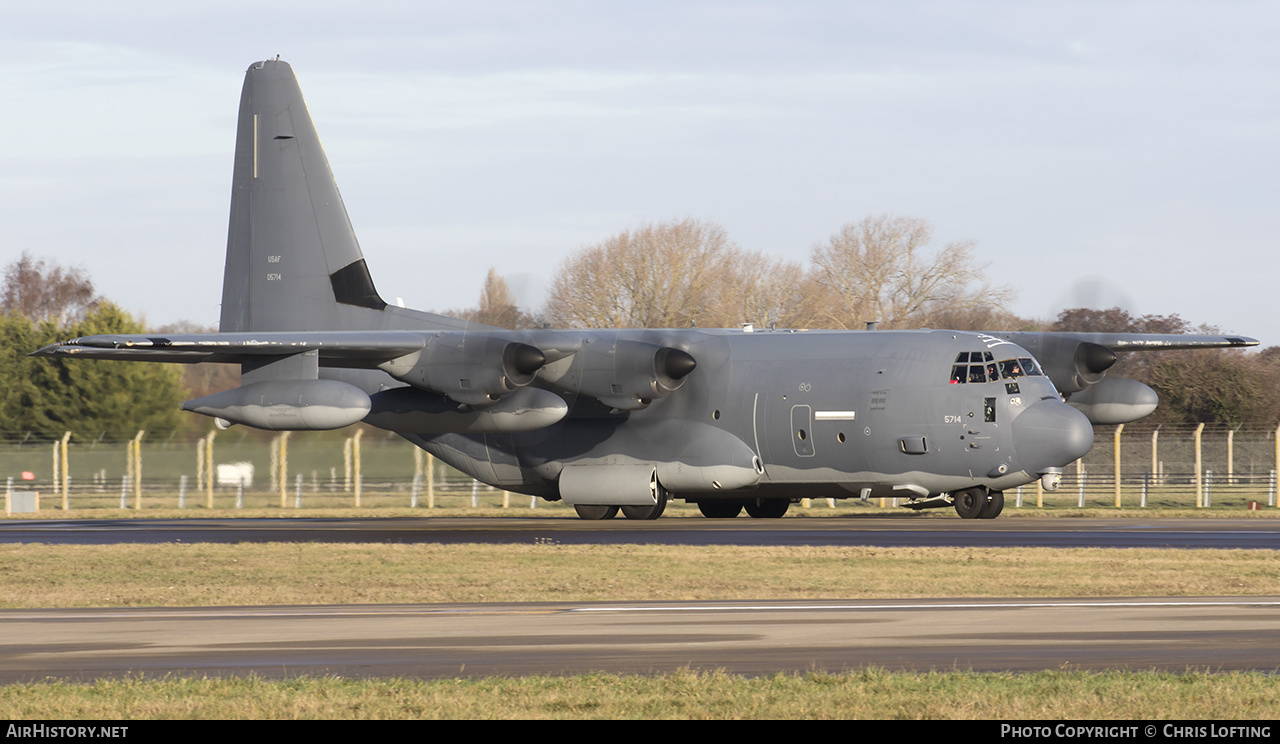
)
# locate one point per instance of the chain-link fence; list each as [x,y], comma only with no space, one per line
[249,470]
[1169,466]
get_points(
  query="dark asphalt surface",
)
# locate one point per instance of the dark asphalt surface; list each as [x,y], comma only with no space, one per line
[876,532]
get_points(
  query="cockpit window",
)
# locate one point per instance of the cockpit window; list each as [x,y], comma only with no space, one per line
[979,366]
[1011,369]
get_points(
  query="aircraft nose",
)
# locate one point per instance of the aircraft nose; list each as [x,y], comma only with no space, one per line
[1051,434]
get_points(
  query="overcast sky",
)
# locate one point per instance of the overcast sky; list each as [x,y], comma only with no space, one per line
[1106,152]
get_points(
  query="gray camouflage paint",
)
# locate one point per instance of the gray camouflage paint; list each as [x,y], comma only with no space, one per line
[621,417]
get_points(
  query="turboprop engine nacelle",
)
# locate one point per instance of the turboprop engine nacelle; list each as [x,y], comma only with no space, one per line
[286,405]
[629,375]
[473,368]
[1072,364]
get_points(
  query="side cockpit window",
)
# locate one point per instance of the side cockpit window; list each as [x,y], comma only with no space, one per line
[1012,369]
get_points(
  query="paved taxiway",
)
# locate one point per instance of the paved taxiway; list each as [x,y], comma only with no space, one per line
[745,638]
[900,531]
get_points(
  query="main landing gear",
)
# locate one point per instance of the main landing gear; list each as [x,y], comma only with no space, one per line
[587,511]
[758,508]
[978,503]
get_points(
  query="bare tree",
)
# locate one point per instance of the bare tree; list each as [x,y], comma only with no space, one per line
[881,269]
[765,292]
[497,304]
[42,291]
[666,275]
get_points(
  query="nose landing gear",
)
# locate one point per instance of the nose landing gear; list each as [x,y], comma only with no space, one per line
[978,503]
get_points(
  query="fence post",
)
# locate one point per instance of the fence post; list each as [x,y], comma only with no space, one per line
[182,492]
[1146,487]
[209,469]
[431,481]
[355,463]
[137,469]
[1116,446]
[1208,487]
[1199,475]
[284,468]
[1155,452]
[1080,475]
[346,465]
[1231,455]
[1276,441]
[297,493]
[66,473]
[1271,489]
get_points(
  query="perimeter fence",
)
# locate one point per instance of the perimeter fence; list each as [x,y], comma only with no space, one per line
[1130,466]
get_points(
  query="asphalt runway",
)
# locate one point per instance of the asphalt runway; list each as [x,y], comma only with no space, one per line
[430,641]
[905,531]
[445,641]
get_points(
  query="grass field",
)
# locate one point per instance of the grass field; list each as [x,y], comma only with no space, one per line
[254,574]
[868,694]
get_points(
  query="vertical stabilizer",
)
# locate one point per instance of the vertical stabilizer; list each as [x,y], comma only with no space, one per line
[293,262]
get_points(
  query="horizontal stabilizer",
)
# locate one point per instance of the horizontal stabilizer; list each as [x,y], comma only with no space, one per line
[364,348]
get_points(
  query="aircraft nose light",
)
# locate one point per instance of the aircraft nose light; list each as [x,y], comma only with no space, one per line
[1050,435]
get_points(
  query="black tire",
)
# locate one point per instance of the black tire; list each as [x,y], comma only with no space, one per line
[970,502]
[768,508]
[589,511]
[995,505]
[648,512]
[644,512]
[720,509]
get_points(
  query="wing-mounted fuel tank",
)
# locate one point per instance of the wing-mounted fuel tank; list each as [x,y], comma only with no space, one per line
[475,369]
[624,374]
[408,409]
[1115,400]
[286,405]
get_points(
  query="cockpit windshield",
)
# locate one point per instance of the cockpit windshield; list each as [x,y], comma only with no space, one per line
[980,366]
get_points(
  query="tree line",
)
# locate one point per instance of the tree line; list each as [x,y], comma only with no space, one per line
[678,274]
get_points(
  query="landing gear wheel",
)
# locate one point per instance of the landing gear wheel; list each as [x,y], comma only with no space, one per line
[644,512]
[648,512]
[970,502]
[768,508]
[588,511]
[720,509]
[995,505]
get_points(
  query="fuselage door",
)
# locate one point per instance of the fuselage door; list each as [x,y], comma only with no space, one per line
[802,430]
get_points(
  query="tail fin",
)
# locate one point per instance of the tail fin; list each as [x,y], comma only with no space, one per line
[293,262]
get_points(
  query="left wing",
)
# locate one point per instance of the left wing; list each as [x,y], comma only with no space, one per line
[1078,362]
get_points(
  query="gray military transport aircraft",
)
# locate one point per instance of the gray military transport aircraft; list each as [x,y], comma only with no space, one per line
[730,419]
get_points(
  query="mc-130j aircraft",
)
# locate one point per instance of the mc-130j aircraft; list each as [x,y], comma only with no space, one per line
[621,419]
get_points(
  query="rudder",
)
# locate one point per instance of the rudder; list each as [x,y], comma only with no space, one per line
[293,261]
